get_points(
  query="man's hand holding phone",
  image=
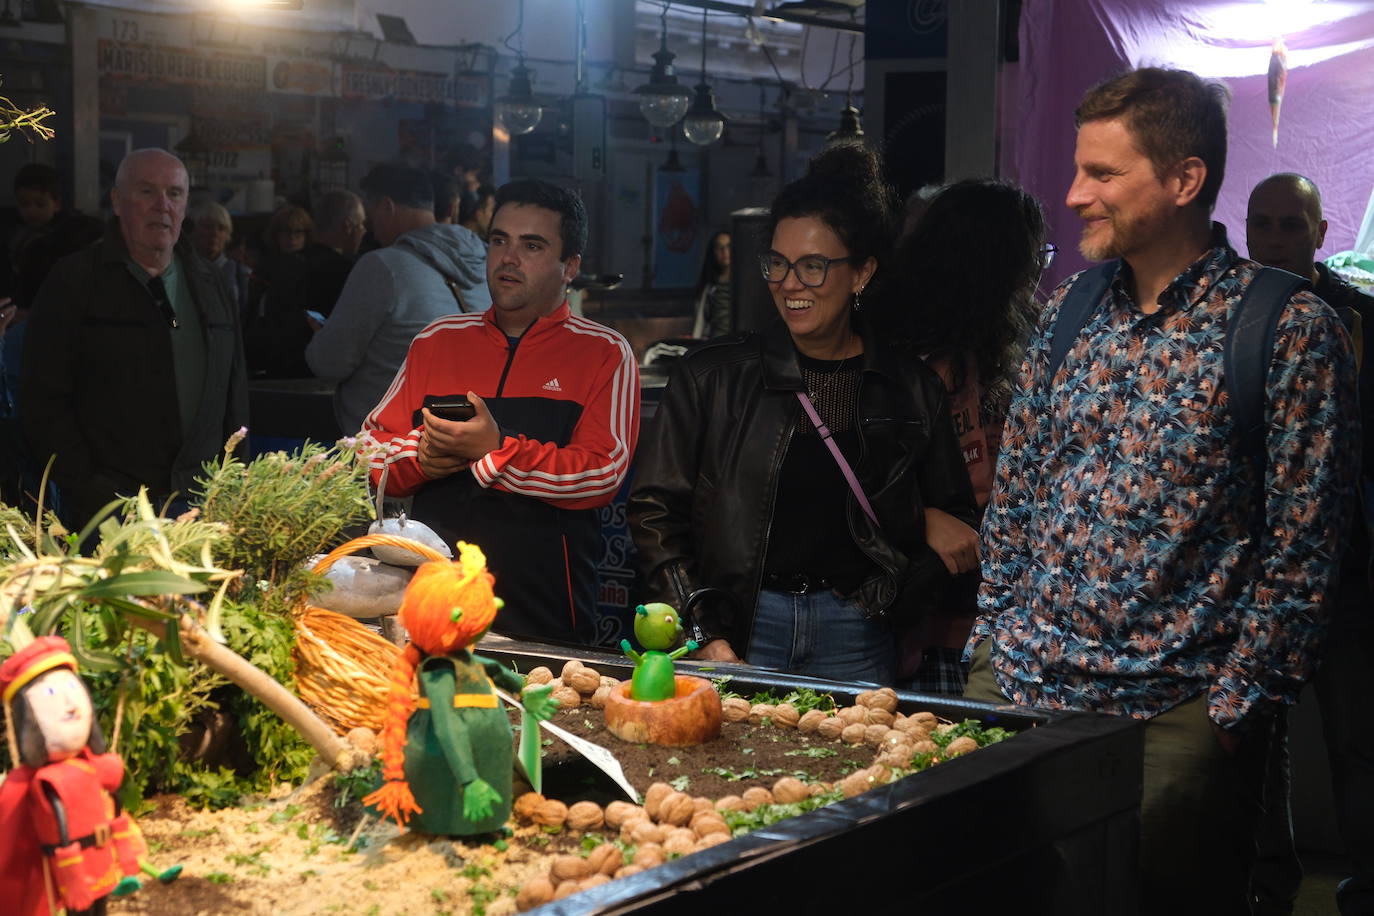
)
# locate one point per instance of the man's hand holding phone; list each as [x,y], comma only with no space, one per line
[448,446]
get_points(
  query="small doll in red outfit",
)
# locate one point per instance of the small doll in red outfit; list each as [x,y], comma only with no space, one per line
[64,843]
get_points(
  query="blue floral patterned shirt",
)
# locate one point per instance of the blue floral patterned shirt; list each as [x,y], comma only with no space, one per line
[1121,568]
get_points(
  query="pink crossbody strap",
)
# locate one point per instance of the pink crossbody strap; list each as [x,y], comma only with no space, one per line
[845,469]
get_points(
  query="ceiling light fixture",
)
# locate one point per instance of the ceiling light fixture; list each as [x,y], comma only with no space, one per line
[703,124]
[663,100]
[518,110]
[851,128]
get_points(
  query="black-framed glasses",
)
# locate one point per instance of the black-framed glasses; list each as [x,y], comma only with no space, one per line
[1047,253]
[811,270]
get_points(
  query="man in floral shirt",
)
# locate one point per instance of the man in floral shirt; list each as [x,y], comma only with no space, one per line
[1133,562]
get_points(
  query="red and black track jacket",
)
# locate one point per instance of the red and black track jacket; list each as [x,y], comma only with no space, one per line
[566,397]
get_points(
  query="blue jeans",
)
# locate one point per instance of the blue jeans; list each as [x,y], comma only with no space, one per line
[822,635]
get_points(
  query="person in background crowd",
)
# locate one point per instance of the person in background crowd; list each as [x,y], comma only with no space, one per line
[817,553]
[276,329]
[448,191]
[340,222]
[211,230]
[915,207]
[556,401]
[476,208]
[1284,228]
[1134,564]
[133,368]
[969,316]
[713,313]
[424,270]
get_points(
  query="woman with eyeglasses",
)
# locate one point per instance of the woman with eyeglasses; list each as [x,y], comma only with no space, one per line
[968,274]
[783,552]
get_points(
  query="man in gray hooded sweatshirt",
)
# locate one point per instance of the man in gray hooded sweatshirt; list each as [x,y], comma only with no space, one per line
[423,271]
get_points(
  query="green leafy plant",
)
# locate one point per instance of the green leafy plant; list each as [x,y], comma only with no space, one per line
[281,508]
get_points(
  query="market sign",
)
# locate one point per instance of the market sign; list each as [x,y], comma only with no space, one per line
[182,67]
[465,90]
[300,76]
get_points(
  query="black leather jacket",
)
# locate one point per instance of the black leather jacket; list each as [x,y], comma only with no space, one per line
[708,467]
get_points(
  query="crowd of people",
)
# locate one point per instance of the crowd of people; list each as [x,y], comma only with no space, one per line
[1125,500]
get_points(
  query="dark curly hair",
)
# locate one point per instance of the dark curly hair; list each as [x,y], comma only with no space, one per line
[844,188]
[967,274]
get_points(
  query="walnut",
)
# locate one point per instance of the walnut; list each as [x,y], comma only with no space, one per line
[527,804]
[364,739]
[925,746]
[569,669]
[566,889]
[599,699]
[676,809]
[682,842]
[652,798]
[535,893]
[879,775]
[820,788]
[785,715]
[913,727]
[898,757]
[926,720]
[864,698]
[629,870]
[898,719]
[649,855]
[943,728]
[760,711]
[874,735]
[606,859]
[646,832]
[853,715]
[618,812]
[830,728]
[585,815]
[808,723]
[585,681]
[704,824]
[855,784]
[961,745]
[592,881]
[550,813]
[894,738]
[877,716]
[627,829]
[569,868]
[609,681]
[789,789]
[853,734]
[713,839]
[554,683]
[730,803]
[755,797]
[537,676]
[884,698]
[702,803]
[567,697]
[734,709]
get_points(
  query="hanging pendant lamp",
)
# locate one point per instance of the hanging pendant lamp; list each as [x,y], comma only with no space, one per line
[703,124]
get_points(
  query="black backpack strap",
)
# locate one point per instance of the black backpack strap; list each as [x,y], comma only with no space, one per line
[1249,350]
[1074,310]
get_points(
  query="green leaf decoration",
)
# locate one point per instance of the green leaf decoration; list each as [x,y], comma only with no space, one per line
[148,582]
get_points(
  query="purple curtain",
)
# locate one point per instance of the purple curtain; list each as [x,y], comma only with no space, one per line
[1326,125]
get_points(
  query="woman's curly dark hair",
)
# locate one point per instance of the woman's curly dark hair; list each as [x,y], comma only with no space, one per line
[844,188]
[967,274]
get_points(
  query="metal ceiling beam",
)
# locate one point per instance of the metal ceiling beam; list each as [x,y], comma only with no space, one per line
[747,10]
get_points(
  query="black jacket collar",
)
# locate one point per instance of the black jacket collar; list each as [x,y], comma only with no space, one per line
[780,368]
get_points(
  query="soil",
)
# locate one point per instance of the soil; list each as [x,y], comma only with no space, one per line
[300,853]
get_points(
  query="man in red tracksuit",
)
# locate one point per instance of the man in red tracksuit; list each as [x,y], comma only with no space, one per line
[557,418]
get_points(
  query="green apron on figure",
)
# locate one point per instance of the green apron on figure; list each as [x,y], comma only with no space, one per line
[459,733]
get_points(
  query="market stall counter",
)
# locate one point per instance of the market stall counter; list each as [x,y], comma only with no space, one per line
[1046,821]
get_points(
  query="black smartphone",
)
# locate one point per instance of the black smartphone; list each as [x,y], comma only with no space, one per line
[459,408]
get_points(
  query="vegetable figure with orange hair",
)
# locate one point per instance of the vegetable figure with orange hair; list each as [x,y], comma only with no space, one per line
[446,753]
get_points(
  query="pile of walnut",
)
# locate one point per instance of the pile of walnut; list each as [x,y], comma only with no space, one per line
[575,686]
[873,720]
[668,822]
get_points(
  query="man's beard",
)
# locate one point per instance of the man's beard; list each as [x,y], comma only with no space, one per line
[1117,238]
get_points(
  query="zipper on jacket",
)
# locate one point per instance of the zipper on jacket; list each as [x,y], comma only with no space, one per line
[510,358]
[852,510]
[779,457]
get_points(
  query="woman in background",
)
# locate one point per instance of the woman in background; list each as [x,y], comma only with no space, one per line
[968,273]
[810,557]
[713,289]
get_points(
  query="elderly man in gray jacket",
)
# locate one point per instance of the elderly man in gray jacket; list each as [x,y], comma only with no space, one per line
[424,270]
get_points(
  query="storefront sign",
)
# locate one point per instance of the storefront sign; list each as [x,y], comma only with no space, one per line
[464,90]
[176,66]
[300,76]
[151,30]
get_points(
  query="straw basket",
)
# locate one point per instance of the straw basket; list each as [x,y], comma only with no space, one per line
[343,669]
